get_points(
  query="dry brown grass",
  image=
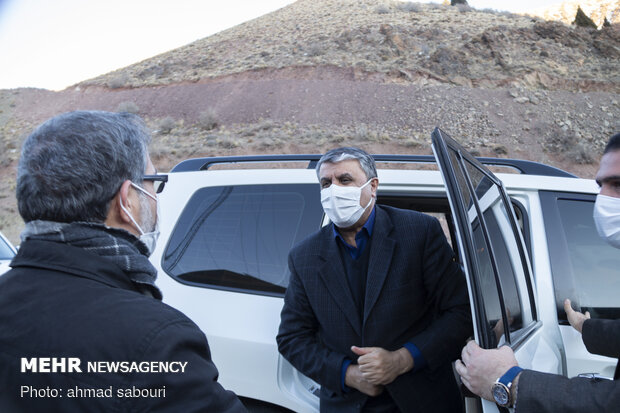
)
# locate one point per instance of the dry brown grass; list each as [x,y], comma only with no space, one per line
[451,44]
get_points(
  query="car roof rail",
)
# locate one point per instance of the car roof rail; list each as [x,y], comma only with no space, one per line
[523,166]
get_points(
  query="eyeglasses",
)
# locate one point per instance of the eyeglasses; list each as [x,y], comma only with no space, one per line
[159,181]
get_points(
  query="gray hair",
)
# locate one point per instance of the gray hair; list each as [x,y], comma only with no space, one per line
[366,161]
[73,164]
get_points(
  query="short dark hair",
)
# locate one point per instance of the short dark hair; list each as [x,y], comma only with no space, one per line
[73,164]
[367,162]
[613,144]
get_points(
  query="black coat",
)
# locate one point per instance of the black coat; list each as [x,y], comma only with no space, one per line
[543,392]
[415,292]
[63,301]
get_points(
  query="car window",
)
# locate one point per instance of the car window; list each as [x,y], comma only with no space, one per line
[498,256]
[238,237]
[488,288]
[485,274]
[6,253]
[506,268]
[430,204]
[584,267]
[496,259]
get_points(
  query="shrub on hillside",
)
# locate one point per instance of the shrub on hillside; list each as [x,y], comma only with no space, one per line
[455,2]
[568,144]
[361,133]
[582,20]
[580,154]
[130,107]
[382,9]
[410,7]
[315,49]
[166,125]
[606,23]
[118,82]
[208,120]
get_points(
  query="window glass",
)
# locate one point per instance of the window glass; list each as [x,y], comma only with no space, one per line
[239,236]
[488,287]
[595,264]
[505,250]
[460,180]
[506,272]
[500,248]
[479,181]
[485,273]
[6,253]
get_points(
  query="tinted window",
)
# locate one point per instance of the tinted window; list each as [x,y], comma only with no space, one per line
[485,255]
[488,288]
[238,237]
[584,267]
[496,259]
[511,296]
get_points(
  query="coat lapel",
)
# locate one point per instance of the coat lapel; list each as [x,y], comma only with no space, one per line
[381,252]
[333,274]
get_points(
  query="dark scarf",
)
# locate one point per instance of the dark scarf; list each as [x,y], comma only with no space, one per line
[115,244]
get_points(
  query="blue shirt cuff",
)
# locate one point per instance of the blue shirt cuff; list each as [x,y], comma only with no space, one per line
[343,374]
[418,358]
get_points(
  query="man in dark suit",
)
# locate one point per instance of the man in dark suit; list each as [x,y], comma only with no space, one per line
[377,306]
[82,289]
[532,391]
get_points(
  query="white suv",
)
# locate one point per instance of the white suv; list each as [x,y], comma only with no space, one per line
[226,233]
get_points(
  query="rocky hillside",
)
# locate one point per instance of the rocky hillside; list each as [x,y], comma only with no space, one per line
[405,42]
[597,10]
[372,73]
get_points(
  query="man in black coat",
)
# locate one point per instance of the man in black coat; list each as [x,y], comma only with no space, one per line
[376,308]
[83,327]
[532,391]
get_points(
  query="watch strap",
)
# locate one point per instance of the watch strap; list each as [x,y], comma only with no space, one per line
[502,388]
[509,376]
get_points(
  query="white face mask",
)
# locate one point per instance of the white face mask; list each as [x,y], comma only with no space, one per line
[342,204]
[148,238]
[607,219]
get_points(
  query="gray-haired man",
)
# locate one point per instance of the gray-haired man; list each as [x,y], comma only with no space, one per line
[376,308]
[83,325]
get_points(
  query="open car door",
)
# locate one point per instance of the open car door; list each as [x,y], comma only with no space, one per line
[495,261]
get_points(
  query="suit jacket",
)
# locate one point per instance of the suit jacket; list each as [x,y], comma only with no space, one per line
[415,292]
[542,392]
[63,301]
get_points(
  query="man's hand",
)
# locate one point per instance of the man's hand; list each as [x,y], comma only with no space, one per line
[575,318]
[480,368]
[353,378]
[379,366]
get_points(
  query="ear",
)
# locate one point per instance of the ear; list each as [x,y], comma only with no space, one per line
[116,216]
[374,184]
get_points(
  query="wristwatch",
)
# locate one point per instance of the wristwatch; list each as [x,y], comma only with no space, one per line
[501,387]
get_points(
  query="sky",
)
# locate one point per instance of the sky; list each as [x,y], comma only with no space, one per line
[53,44]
